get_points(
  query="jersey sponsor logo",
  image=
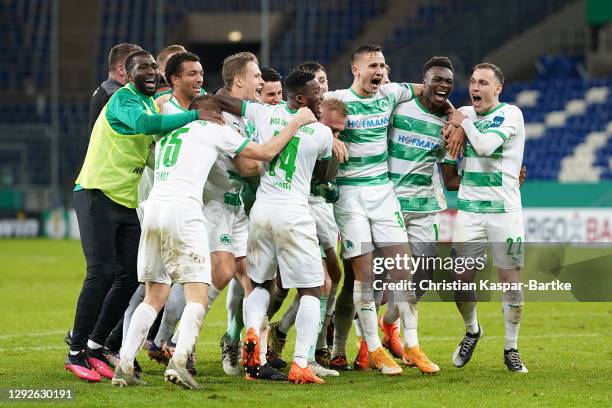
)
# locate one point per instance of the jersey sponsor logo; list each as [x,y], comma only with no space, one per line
[367,123]
[420,142]
[225,239]
[484,125]
[138,170]
[278,122]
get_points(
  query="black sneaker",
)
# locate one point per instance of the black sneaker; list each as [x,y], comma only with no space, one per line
[191,362]
[68,338]
[323,356]
[275,361]
[137,368]
[463,352]
[266,372]
[512,358]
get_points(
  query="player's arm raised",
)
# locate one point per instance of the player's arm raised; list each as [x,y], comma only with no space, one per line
[483,143]
[267,151]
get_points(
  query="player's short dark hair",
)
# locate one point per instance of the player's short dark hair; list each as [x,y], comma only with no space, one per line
[235,65]
[297,80]
[166,53]
[270,75]
[364,49]
[206,102]
[129,61]
[311,66]
[443,62]
[496,70]
[119,53]
[174,66]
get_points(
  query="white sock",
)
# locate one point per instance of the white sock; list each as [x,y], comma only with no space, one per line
[93,345]
[255,307]
[366,309]
[513,310]
[264,330]
[392,313]
[307,323]
[189,327]
[235,293]
[136,299]
[176,334]
[213,293]
[141,322]
[288,319]
[358,331]
[343,318]
[468,312]
[409,317]
[172,314]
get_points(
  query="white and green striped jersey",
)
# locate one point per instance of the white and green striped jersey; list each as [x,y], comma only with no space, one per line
[286,179]
[365,135]
[415,148]
[491,184]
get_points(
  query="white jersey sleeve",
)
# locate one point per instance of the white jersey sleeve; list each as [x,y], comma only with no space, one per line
[260,115]
[327,143]
[230,141]
[403,91]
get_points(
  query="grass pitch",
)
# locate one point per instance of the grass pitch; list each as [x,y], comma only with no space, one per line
[566,346]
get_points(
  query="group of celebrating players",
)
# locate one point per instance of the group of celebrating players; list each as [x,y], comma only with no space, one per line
[189,192]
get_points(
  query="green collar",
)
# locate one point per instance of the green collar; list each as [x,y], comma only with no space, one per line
[492,110]
[424,109]
[357,95]
[133,88]
[175,103]
[291,111]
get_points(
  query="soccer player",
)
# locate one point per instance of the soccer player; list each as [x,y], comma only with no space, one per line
[368,213]
[282,229]
[272,91]
[163,85]
[185,74]
[327,233]
[489,203]
[105,198]
[223,204]
[174,244]
[415,148]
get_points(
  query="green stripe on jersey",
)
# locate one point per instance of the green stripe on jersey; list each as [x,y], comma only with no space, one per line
[403,152]
[363,135]
[481,179]
[481,206]
[417,126]
[419,204]
[355,162]
[470,152]
[363,181]
[371,107]
[410,179]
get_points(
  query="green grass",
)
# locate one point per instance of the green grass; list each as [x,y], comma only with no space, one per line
[566,346]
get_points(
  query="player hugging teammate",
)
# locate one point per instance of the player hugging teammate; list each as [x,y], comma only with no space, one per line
[368,161]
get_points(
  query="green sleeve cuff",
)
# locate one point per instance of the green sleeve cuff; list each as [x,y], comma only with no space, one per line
[446,161]
[325,158]
[242,146]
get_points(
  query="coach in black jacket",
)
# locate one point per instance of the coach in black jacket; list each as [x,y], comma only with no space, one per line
[117,78]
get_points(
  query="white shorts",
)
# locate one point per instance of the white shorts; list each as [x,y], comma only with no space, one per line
[423,231]
[173,244]
[503,231]
[327,231]
[144,188]
[368,216]
[227,227]
[284,238]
